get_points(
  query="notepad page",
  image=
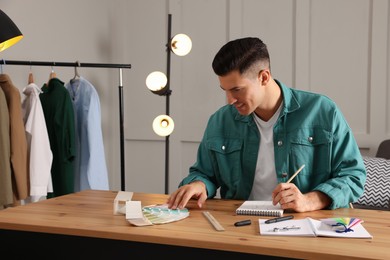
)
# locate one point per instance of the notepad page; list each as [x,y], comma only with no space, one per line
[323,229]
[299,227]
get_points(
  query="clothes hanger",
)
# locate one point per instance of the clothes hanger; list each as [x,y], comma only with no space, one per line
[76,72]
[52,75]
[30,77]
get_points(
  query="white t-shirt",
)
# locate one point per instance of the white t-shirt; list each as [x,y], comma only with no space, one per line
[265,177]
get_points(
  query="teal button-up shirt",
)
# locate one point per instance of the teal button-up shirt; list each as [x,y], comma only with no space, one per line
[310,130]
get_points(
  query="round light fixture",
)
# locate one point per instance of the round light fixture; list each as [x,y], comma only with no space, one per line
[181,44]
[163,125]
[156,81]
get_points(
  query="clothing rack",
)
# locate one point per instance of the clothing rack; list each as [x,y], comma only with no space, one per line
[90,65]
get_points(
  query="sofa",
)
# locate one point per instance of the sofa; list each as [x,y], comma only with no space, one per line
[376,193]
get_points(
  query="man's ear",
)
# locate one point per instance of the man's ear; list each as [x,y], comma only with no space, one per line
[264,76]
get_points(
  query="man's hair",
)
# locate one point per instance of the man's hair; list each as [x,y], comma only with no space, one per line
[242,55]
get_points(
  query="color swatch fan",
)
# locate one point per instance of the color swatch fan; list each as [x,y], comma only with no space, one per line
[161,214]
[152,214]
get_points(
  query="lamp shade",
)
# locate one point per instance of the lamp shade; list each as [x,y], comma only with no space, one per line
[157,82]
[181,44]
[9,32]
[163,125]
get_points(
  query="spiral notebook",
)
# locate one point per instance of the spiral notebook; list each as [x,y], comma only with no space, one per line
[259,208]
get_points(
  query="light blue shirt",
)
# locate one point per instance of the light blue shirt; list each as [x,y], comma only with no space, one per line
[90,162]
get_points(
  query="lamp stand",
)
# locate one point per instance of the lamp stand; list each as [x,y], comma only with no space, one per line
[167,104]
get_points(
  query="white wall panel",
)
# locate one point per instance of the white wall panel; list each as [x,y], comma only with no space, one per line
[195,88]
[378,86]
[275,26]
[340,44]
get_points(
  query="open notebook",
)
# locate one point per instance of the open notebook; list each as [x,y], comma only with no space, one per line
[331,227]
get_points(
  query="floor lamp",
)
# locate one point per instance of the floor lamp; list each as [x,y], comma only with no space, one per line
[159,84]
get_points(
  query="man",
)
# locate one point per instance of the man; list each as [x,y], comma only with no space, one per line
[265,133]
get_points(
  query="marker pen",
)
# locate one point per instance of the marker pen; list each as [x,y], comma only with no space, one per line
[243,223]
[274,220]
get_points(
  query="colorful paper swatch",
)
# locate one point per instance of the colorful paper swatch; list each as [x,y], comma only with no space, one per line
[161,214]
[342,224]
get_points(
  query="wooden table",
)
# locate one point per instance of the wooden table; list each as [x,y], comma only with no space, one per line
[83,225]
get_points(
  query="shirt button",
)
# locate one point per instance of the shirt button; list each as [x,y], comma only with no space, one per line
[280,143]
[310,139]
[284,175]
[223,147]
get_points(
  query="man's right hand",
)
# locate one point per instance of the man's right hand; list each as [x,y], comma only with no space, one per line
[180,198]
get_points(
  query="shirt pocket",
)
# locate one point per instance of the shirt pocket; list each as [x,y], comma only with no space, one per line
[310,146]
[226,157]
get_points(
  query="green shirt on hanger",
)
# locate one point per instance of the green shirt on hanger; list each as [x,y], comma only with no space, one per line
[59,116]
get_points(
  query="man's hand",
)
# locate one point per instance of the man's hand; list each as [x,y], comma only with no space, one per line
[290,197]
[181,196]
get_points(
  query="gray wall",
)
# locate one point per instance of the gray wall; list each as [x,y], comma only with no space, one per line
[337,48]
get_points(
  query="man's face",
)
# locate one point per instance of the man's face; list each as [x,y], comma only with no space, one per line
[242,91]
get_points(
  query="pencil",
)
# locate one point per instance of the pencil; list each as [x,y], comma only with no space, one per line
[296,173]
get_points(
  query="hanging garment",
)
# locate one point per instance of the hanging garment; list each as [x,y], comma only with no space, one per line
[38,144]
[6,196]
[18,143]
[90,162]
[59,116]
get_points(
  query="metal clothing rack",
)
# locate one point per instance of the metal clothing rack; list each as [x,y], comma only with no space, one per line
[90,65]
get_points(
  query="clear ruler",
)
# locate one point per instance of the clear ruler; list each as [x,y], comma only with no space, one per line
[213,221]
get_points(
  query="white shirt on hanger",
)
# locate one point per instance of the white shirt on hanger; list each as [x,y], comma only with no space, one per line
[38,144]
